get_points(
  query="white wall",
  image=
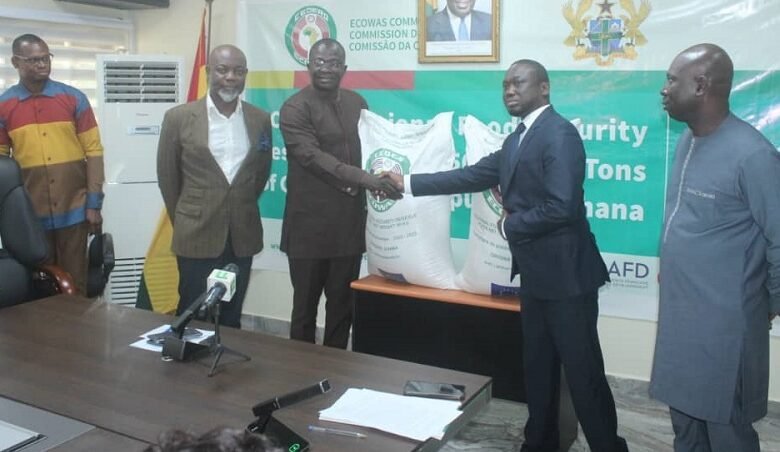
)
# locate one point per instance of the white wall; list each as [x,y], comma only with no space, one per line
[627,344]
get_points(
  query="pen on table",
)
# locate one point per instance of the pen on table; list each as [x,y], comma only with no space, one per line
[335,431]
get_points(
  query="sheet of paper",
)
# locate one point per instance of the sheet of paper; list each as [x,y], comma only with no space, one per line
[144,344]
[12,436]
[412,417]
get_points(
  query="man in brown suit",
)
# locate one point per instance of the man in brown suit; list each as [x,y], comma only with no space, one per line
[213,161]
[323,231]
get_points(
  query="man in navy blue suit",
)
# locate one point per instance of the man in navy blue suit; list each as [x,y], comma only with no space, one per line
[458,22]
[540,169]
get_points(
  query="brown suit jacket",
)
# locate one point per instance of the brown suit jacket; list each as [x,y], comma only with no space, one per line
[202,206]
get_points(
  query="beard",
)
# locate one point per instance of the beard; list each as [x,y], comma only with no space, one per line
[228,95]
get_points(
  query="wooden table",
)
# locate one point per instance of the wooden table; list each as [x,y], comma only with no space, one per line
[71,356]
[446,328]
[452,329]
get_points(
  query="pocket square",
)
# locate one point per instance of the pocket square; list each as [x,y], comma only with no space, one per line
[264,143]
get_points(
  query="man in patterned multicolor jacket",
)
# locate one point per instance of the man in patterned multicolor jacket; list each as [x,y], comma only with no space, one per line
[50,130]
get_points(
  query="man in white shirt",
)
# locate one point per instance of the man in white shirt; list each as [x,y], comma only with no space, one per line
[213,161]
[459,21]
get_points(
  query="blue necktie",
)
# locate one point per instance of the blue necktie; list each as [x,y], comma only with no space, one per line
[463,33]
[514,150]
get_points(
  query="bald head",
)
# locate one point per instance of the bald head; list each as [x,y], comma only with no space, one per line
[697,88]
[712,64]
[226,51]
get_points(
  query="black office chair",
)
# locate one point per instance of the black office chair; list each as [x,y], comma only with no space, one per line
[100,253]
[23,277]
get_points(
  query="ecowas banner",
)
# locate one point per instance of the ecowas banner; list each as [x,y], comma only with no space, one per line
[605,77]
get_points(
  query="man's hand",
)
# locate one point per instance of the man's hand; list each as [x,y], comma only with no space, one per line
[381,186]
[397,179]
[95,220]
[500,224]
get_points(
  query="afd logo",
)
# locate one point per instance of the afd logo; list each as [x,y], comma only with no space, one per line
[628,269]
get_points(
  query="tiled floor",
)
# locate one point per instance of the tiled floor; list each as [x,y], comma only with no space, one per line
[643,422]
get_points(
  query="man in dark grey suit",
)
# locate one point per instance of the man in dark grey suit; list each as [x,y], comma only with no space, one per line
[323,231]
[213,161]
[540,169]
[459,21]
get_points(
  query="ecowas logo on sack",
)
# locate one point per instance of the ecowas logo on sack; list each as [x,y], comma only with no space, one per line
[381,161]
[494,200]
[307,26]
[606,36]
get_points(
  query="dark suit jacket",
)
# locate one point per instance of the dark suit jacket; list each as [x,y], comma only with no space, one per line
[201,204]
[438,26]
[541,185]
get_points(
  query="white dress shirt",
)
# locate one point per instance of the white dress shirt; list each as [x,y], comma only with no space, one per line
[228,138]
[529,120]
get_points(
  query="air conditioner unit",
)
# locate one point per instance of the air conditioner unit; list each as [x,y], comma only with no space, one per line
[133,94]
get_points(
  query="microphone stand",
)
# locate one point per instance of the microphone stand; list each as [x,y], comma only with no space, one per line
[216,348]
[175,347]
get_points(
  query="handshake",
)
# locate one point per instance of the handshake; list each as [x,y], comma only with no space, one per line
[384,185]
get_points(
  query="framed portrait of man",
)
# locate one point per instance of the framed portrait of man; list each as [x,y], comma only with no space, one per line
[456,31]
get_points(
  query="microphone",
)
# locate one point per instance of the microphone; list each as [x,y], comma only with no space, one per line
[264,410]
[273,404]
[221,285]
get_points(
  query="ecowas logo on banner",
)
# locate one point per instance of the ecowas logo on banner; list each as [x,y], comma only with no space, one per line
[608,35]
[381,161]
[307,26]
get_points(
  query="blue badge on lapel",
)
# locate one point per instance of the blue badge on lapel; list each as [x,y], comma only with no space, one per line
[264,143]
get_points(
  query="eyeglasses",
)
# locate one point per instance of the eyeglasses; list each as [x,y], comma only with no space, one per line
[46,59]
[239,71]
[319,63]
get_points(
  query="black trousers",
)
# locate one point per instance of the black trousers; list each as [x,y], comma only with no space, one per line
[309,278]
[192,283]
[563,332]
